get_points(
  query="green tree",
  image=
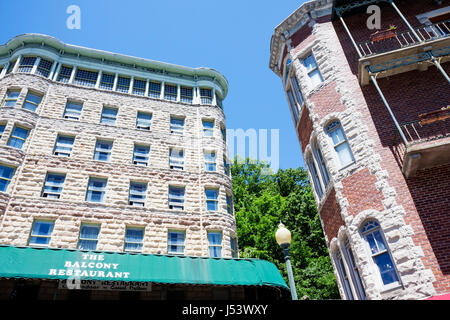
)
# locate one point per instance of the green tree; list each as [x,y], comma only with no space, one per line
[261,200]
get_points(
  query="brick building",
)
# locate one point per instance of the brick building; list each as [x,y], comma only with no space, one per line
[114,162]
[371,111]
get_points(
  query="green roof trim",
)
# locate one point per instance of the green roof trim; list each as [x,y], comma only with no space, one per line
[46,263]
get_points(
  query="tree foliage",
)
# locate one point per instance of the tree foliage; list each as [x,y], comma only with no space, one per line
[261,200]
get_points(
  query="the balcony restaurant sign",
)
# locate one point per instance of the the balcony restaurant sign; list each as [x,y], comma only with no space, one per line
[94,266]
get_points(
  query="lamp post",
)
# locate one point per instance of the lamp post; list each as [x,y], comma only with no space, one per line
[283,237]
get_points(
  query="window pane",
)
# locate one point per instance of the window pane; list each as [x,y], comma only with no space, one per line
[64,74]
[32,101]
[316,77]
[154,89]
[310,63]
[107,81]
[89,232]
[85,78]
[344,153]
[42,228]
[123,84]
[87,245]
[18,137]
[386,267]
[44,67]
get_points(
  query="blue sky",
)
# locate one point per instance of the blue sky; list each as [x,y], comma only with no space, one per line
[232,37]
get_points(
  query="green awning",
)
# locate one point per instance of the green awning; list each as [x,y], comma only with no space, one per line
[46,263]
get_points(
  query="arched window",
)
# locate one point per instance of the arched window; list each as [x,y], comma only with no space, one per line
[372,233]
[315,176]
[340,143]
[321,163]
[356,279]
[345,281]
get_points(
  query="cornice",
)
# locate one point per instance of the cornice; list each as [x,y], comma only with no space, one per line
[63,48]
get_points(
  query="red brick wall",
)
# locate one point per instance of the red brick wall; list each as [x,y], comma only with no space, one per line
[305,128]
[327,100]
[361,193]
[330,213]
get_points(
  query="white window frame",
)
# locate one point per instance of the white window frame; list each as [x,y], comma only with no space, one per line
[53,194]
[354,273]
[144,124]
[176,128]
[39,235]
[8,180]
[329,131]
[9,99]
[310,163]
[98,151]
[72,113]
[210,162]
[176,162]
[109,118]
[343,276]
[215,245]
[140,193]
[88,239]
[62,145]
[314,69]
[318,156]
[96,189]
[379,280]
[169,243]
[212,200]
[12,136]
[141,162]
[139,243]
[176,205]
[36,105]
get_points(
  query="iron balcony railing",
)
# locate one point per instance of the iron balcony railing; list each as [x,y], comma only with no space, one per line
[430,126]
[390,39]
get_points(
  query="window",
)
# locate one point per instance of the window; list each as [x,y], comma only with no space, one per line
[176,197]
[379,251]
[340,144]
[2,129]
[154,89]
[63,146]
[134,238]
[6,174]
[319,159]
[186,94]
[85,78]
[73,110]
[137,194]
[139,87]
[223,132]
[123,84]
[144,120]
[11,98]
[107,81]
[176,125]
[140,155]
[170,92]
[229,204]
[88,237]
[354,271]
[32,101]
[292,105]
[226,167]
[210,161]
[44,68]
[176,159]
[53,185]
[109,115]
[103,150]
[18,137]
[175,242]
[313,70]
[215,244]
[212,199]
[11,66]
[343,276]
[219,102]
[206,96]
[208,128]
[41,233]
[64,74]
[233,246]
[96,190]
[296,89]
[26,64]
[315,177]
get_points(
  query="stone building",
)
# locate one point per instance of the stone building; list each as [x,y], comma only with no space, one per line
[123,158]
[371,111]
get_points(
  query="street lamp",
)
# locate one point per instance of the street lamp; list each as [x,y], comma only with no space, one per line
[283,237]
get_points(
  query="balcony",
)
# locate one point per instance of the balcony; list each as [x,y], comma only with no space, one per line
[389,52]
[428,142]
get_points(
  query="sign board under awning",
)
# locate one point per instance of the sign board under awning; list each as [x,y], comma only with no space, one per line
[46,263]
[79,284]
